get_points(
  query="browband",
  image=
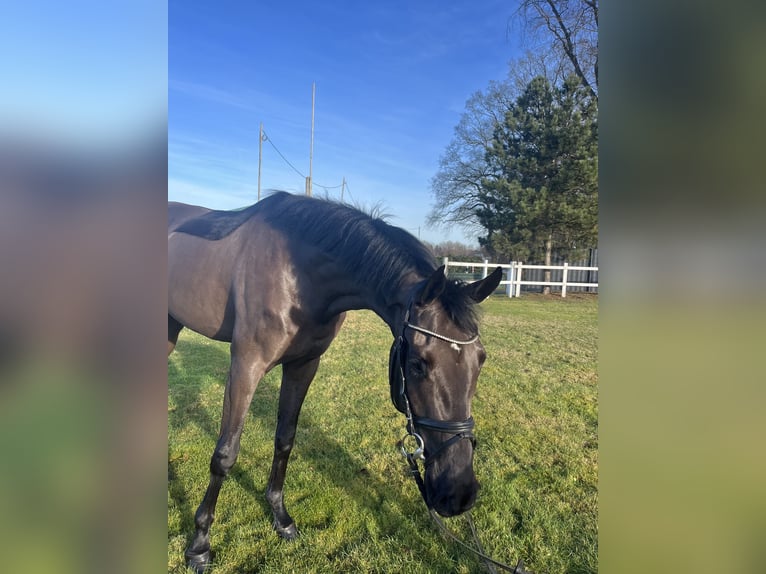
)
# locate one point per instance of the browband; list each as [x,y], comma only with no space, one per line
[439,336]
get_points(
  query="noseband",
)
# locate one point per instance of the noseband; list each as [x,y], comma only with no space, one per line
[397,363]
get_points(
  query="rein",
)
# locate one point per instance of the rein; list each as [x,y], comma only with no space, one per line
[459,429]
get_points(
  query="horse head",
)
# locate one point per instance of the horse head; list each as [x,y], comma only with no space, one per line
[435,365]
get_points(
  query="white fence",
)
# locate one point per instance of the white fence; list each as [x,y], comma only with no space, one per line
[514,275]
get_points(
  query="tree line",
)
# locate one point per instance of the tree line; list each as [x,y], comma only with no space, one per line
[522,168]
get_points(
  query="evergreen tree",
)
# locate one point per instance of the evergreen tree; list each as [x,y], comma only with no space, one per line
[543,196]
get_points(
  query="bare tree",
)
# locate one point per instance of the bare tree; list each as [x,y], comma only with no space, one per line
[462,167]
[456,249]
[570,27]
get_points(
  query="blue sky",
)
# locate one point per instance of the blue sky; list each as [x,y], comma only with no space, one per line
[392,79]
[83,71]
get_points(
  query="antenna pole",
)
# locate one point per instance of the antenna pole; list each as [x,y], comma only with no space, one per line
[260,156]
[311,152]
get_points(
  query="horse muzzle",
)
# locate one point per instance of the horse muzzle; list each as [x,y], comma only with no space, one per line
[450,483]
[452,499]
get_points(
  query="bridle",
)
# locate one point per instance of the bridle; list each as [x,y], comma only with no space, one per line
[397,364]
[397,367]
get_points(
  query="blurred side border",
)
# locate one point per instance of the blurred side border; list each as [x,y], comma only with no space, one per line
[83,192]
[682,391]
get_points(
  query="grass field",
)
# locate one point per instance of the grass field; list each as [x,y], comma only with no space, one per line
[536,417]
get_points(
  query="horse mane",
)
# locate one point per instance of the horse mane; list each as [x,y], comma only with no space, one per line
[365,246]
[461,309]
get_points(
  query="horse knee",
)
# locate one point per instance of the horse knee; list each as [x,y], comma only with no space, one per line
[222,461]
[283,445]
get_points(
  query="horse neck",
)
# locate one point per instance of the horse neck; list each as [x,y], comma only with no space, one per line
[388,301]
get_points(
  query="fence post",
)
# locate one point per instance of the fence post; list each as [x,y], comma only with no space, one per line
[484,271]
[564,280]
[518,283]
[509,287]
[445,262]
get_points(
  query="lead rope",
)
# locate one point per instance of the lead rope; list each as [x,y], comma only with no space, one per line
[490,563]
[477,542]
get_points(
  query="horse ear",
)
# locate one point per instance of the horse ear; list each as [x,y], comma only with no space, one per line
[433,287]
[480,290]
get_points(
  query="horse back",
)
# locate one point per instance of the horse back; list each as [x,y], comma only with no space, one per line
[179,213]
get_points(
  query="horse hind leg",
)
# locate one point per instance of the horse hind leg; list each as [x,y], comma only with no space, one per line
[296,378]
[174,328]
[245,373]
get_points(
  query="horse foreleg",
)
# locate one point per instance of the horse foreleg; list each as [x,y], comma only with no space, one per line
[296,378]
[244,375]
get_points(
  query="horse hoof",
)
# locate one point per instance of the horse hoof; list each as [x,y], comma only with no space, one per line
[198,562]
[289,532]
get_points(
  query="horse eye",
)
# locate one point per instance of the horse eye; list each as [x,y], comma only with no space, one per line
[418,368]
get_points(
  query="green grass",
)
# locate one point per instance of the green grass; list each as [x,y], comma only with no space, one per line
[537,459]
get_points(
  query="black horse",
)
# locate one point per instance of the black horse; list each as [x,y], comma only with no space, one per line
[275,280]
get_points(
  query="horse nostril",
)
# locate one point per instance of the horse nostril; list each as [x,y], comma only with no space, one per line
[468,500]
[455,502]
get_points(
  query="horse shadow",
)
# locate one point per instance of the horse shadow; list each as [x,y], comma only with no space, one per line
[315,446]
